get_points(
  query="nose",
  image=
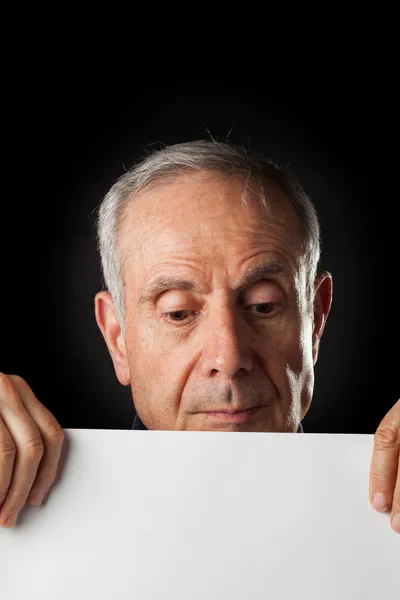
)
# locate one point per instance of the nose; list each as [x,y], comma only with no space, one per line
[227,347]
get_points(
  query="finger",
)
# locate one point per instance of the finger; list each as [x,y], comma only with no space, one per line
[385,460]
[29,451]
[8,452]
[395,513]
[52,436]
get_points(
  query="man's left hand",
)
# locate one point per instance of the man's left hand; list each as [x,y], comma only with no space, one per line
[384,481]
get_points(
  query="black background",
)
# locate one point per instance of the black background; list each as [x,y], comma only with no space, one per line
[70,128]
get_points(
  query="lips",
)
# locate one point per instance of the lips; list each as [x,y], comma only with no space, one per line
[230,411]
[238,416]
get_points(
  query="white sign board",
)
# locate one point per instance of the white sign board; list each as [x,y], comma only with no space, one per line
[204,515]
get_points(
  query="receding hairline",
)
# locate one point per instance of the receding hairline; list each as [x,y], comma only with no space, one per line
[265,186]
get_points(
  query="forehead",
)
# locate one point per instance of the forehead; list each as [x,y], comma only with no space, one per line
[201,217]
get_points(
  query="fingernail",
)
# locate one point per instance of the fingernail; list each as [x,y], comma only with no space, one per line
[11,520]
[396,523]
[36,498]
[379,502]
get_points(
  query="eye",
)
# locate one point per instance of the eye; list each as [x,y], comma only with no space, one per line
[263,308]
[177,316]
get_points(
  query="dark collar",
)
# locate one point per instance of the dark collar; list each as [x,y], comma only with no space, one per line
[137,424]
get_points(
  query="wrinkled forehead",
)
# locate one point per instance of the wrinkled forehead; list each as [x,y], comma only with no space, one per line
[205,204]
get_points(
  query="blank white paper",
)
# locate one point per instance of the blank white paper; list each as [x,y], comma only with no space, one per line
[204,515]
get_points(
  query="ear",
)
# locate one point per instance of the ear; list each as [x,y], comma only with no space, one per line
[107,320]
[322,306]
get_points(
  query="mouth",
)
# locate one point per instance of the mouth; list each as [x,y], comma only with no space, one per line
[237,416]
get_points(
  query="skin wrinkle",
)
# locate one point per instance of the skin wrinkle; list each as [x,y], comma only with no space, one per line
[157,286]
[223,355]
[151,210]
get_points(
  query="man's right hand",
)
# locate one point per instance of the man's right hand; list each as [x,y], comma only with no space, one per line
[31,440]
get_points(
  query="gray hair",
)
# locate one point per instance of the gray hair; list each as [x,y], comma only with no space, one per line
[165,165]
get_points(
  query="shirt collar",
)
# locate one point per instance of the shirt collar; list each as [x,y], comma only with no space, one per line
[138,425]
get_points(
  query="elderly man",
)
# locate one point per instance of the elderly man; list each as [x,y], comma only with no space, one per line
[213,316]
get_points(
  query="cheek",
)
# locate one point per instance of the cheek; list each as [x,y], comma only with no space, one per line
[293,364]
[288,346]
[158,366]
[305,340]
[300,365]
[143,355]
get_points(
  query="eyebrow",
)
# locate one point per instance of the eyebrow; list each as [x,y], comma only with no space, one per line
[263,271]
[164,283]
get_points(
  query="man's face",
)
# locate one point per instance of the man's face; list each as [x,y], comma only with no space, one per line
[217,315]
